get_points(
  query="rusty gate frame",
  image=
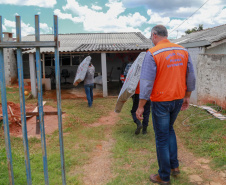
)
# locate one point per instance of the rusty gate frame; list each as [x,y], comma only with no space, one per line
[34,44]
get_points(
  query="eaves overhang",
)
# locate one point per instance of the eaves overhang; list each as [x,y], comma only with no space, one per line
[195,44]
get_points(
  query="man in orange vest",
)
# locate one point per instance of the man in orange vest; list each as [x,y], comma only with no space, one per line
[167,78]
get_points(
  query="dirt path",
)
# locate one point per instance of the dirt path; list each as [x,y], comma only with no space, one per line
[98,170]
[198,169]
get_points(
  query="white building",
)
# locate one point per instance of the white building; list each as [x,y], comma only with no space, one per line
[208,52]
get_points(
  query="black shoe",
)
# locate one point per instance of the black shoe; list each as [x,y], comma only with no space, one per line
[144,130]
[139,127]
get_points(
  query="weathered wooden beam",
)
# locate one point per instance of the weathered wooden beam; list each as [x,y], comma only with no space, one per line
[45,113]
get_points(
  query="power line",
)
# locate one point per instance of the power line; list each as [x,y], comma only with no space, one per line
[189,17]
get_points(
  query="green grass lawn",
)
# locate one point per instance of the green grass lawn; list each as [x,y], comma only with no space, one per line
[134,157]
[79,142]
[204,138]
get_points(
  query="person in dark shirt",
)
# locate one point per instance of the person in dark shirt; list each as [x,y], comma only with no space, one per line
[147,106]
[89,84]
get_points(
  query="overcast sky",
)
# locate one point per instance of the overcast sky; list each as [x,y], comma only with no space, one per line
[85,16]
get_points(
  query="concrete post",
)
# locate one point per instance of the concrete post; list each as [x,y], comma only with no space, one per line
[104,74]
[32,75]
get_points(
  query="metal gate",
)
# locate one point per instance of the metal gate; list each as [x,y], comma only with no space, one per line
[36,44]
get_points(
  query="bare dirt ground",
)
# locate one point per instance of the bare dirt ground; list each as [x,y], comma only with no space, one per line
[50,121]
[72,94]
[198,168]
[98,170]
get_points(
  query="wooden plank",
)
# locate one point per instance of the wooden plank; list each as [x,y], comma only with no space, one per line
[45,113]
[36,108]
[13,116]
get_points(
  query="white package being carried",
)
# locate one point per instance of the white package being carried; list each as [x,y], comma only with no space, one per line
[81,71]
[131,82]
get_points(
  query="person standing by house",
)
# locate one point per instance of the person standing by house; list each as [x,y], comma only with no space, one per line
[167,78]
[147,106]
[127,69]
[89,84]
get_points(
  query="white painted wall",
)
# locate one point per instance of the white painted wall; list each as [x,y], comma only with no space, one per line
[194,53]
[212,79]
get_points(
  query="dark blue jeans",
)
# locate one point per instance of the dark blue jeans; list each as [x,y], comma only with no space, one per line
[89,93]
[164,115]
[146,113]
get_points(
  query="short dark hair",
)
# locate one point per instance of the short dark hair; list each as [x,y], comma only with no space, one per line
[160,30]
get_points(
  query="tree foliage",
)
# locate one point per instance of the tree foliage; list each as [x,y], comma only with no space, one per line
[194,29]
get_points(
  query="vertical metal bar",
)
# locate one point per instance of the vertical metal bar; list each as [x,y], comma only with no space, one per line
[40,105]
[57,72]
[43,64]
[22,101]
[5,112]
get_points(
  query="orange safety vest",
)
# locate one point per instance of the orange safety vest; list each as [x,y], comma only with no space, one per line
[170,81]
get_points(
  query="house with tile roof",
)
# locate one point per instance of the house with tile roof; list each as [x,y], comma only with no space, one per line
[110,52]
[207,49]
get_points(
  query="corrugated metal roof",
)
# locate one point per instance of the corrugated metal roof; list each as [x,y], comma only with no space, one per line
[94,42]
[204,37]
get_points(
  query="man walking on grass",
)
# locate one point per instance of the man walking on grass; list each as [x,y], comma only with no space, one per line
[167,78]
[147,106]
[89,84]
